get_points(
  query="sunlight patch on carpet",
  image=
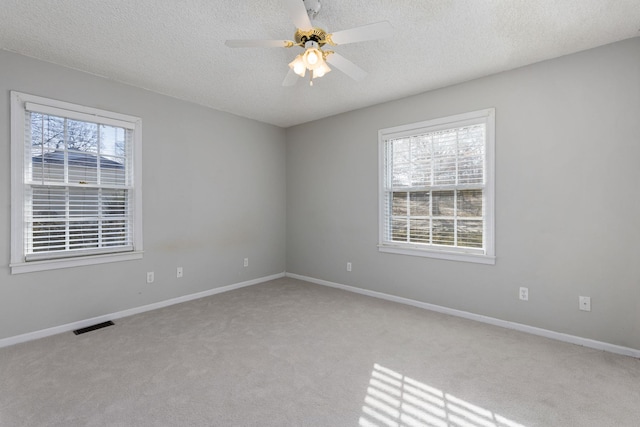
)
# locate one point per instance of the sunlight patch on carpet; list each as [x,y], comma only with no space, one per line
[395,400]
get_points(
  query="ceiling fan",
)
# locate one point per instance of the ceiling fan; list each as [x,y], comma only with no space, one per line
[313,38]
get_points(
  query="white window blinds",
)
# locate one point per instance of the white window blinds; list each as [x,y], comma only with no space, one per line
[434,186]
[78,177]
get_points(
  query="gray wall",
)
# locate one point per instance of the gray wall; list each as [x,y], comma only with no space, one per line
[567,205]
[214,193]
[567,197]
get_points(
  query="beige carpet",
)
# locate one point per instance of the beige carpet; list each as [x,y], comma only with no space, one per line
[289,353]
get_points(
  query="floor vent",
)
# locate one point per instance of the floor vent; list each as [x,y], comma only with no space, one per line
[93,327]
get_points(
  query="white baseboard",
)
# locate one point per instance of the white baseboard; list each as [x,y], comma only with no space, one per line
[586,342]
[5,342]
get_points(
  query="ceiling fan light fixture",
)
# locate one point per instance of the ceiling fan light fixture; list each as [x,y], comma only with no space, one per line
[312,56]
[321,70]
[298,66]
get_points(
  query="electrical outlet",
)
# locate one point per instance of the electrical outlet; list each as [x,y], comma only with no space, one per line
[246,262]
[179,272]
[524,294]
[150,277]
[348,266]
[585,303]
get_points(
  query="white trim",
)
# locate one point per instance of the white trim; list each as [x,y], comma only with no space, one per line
[62,105]
[490,184]
[430,253]
[20,103]
[585,342]
[74,114]
[488,256]
[5,342]
[137,187]
[17,181]
[559,336]
[441,123]
[56,263]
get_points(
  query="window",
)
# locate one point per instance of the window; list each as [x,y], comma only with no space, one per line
[76,175]
[436,188]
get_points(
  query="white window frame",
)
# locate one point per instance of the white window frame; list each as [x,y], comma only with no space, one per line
[18,263]
[487,254]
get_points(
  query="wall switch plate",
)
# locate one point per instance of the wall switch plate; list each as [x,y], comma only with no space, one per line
[348,266]
[524,294]
[246,262]
[150,277]
[179,272]
[585,303]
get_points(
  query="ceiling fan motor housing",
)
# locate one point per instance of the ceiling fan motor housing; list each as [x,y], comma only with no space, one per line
[317,35]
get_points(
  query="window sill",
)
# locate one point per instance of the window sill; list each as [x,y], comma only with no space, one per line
[54,264]
[450,256]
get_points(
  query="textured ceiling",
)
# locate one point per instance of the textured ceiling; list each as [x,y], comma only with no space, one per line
[177,47]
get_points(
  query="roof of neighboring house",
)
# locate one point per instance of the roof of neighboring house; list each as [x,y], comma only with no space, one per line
[76,159]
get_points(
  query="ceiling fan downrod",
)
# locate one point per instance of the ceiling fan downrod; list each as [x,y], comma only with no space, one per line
[313,7]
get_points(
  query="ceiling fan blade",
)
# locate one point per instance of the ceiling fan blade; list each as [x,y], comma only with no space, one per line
[259,43]
[298,14]
[346,66]
[379,30]
[290,79]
